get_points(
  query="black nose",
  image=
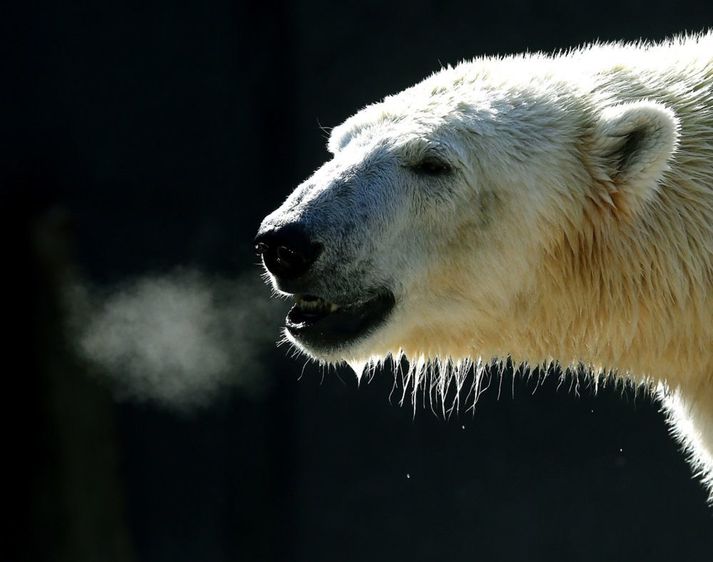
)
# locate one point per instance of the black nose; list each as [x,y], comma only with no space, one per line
[287,251]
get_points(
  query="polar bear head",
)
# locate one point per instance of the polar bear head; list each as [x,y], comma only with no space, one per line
[425,231]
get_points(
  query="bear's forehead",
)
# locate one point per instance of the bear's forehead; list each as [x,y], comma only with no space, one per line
[467,97]
[436,105]
[395,126]
[445,94]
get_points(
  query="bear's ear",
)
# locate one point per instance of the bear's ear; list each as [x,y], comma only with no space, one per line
[633,145]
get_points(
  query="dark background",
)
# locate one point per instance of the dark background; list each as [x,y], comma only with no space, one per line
[160,134]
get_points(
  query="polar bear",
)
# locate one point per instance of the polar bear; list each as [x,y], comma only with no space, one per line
[543,209]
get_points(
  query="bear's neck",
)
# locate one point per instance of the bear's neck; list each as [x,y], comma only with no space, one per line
[633,297]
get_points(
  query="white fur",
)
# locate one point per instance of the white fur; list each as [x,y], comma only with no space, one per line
[576,226]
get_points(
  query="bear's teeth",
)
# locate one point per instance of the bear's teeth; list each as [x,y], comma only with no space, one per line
[312,304]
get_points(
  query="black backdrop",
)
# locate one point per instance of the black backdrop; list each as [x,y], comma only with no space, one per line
[166,131]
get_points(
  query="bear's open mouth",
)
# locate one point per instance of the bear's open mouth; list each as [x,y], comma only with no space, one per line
[323,325]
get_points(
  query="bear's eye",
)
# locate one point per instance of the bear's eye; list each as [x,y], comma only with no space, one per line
[431,166]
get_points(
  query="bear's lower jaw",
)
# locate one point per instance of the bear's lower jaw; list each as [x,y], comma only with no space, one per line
[322,327]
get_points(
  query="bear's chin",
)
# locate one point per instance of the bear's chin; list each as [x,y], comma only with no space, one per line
[324,329]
